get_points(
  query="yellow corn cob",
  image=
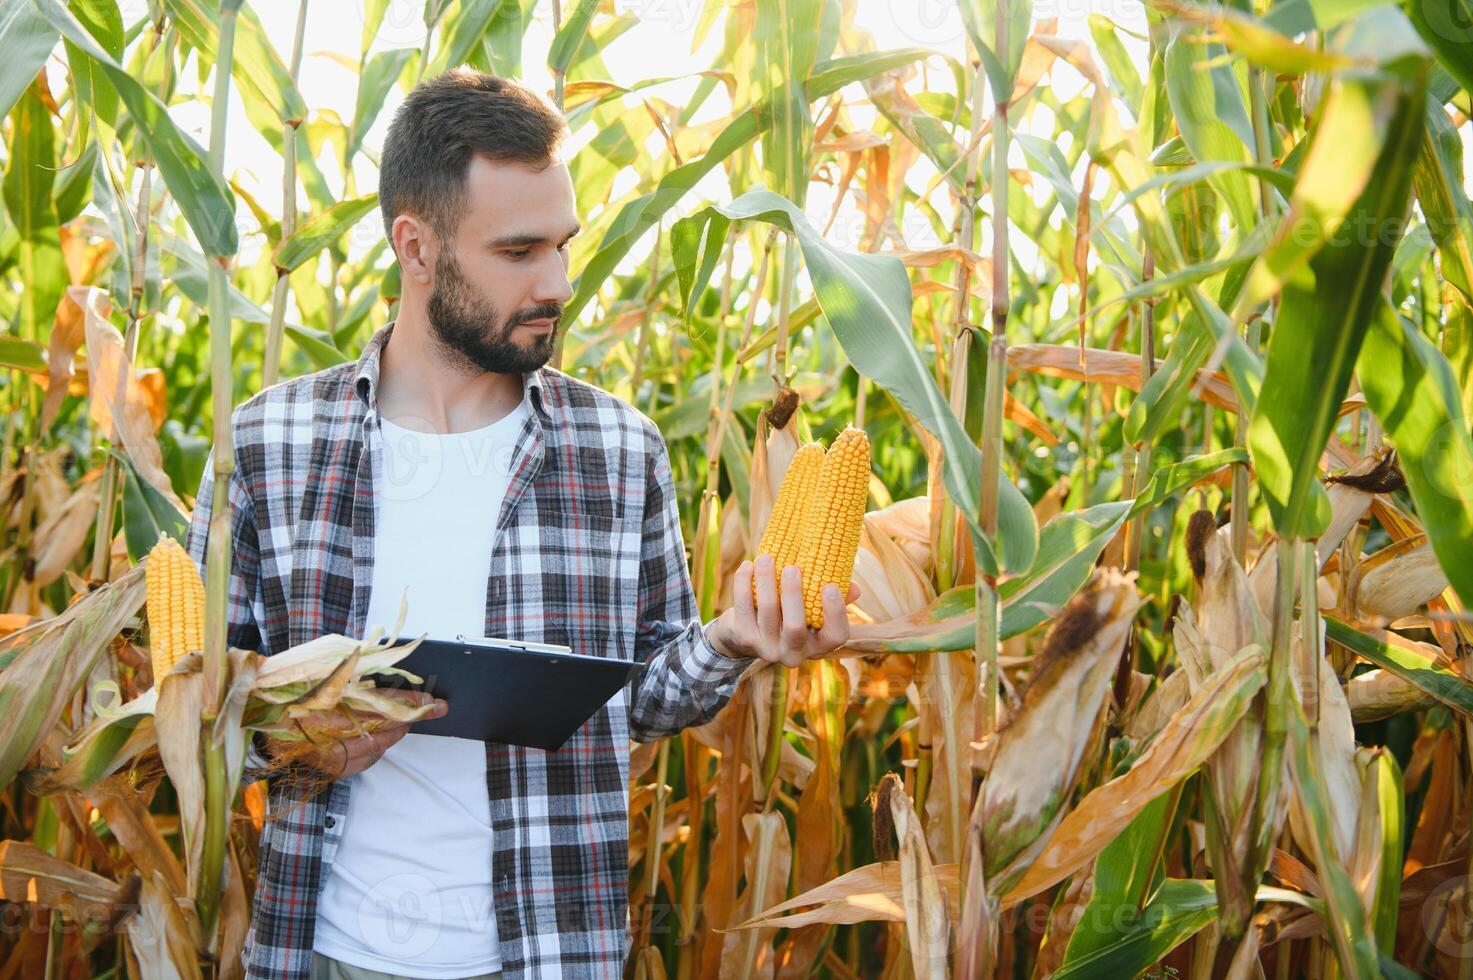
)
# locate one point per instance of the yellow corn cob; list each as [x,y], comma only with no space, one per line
[176,605]
[783,535]
[832,526]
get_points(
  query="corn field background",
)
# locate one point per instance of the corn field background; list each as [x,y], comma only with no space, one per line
[1159,321]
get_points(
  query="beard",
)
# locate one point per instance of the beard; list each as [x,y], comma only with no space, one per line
[470,330]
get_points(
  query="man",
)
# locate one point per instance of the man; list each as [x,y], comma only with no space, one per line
[510,500]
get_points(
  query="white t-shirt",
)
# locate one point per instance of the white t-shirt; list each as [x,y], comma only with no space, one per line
[409,891]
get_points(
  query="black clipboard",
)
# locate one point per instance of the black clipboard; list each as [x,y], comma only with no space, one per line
[497,690]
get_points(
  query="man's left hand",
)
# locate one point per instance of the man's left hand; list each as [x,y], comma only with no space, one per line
[775,629]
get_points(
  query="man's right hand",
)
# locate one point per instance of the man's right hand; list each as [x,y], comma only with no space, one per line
[338,748]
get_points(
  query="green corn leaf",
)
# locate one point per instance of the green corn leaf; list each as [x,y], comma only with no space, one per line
[29,177]
[570,36]
[786,40]
[146,512]
[1413,392]
[322,230]
[867,301]
[1438,179]
[637,216]
[207,203]
[1446,686]
[1326,307]
[1214,122]
[27,40]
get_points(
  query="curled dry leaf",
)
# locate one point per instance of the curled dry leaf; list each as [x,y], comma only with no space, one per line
[119,405]
[871,893]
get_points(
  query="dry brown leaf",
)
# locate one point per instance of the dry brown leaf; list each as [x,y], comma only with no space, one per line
[177,724]
[64,533]
[866,894]
[927,908]
[28,875]
[119,405]
[748,953]
[944,684]
[162,934]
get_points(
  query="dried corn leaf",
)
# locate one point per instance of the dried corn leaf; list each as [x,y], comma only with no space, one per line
[45,664]
[64,533]
[926,906]
[119,405]
[161,934]
[867,894]
[748,953]
[28,875]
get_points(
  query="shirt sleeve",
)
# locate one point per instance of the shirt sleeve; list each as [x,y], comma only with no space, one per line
[242,631]
[686,680]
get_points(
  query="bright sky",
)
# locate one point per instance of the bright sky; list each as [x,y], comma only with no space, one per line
[661,44]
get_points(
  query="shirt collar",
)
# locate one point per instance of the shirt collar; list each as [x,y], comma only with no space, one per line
[365,378]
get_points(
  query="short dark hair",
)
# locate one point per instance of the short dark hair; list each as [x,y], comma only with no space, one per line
[441,123]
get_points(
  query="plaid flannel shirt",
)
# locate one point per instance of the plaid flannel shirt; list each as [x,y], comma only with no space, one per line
[588,553]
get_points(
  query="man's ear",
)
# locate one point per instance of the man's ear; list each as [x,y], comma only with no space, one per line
[415,248]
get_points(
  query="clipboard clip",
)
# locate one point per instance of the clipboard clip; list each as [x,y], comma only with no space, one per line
[516,644]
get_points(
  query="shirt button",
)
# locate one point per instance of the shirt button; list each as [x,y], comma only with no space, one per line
[330,822]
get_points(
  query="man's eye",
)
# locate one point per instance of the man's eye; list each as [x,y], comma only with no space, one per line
[519,254]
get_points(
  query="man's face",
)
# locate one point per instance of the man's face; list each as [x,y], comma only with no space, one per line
[505,267]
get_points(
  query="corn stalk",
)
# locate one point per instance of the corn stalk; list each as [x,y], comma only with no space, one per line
[274,332]
[217,572]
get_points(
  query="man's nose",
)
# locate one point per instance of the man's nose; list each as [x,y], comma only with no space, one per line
[553,286]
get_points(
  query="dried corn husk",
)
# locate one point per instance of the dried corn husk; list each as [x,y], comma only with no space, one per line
[1192,734]
[907,522]
[1379,693]
[1039,751]
[1396,581]
[1350,497]
[1226,620]
[330,672]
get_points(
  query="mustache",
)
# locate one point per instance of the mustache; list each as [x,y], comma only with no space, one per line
[537,313]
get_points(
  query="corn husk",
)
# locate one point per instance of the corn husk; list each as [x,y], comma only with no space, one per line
[1350,497]
[1039,751]
[1191,735]
[907,523]
[1378,693]
[1396,581]
[1226,619]
[331,673]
